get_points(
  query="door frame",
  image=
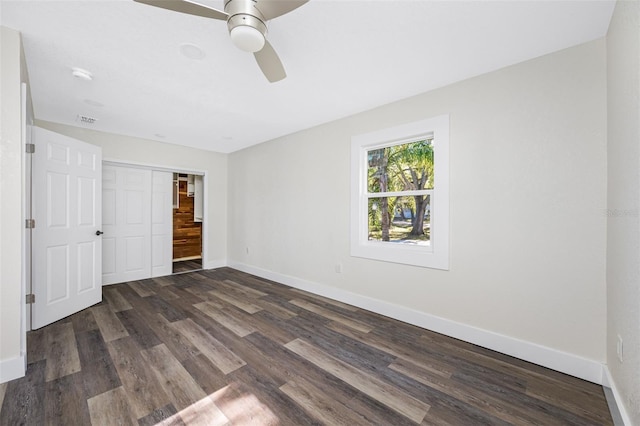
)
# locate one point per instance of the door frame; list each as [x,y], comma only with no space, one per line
[26,123]
[174,169]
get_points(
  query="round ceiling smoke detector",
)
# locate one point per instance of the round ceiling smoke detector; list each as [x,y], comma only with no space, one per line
[81,74]
[191,51]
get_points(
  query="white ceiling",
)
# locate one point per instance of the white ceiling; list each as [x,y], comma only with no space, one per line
[341,57]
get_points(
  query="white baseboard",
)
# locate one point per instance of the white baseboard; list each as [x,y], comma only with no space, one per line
[607,381]
[214,264]
[12,368]
[547,357]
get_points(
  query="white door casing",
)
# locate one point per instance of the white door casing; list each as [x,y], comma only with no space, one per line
[198,196]
[126,221]
[66,206]
[162,224]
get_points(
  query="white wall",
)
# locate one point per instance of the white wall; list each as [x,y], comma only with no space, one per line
[12,356]
[143,151]
[528,196]
[623,227]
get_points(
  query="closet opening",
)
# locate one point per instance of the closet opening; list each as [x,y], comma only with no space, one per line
[187,222]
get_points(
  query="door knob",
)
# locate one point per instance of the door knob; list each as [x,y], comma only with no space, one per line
[98,233]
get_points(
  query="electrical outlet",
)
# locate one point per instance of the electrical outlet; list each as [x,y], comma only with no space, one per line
[338,268]
[620,349]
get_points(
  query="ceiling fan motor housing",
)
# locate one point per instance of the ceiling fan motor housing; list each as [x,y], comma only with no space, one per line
[245,13]
[248,21]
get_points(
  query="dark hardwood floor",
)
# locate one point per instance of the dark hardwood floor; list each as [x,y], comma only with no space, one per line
[187,266]
[222,347]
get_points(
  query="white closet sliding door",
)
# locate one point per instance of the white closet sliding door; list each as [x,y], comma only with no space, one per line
[126,222]
[137,220]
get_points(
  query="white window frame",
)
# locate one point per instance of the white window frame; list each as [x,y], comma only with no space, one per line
[436,253]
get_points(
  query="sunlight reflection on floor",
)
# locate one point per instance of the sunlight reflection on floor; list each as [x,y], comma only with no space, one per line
[239,409]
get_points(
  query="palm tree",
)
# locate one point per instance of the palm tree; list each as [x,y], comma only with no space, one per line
[404,167]
[378,182]
[411,166]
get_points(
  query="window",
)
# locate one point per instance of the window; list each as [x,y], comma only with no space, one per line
[400,194]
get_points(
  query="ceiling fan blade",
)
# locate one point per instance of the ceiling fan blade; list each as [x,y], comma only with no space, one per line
[188,7]
[273,8]
[269,63]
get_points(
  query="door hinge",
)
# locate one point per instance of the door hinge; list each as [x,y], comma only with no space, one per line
[31,148]
[31,298]
[30,223]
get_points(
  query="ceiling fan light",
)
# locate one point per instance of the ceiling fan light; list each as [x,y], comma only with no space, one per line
[247,38]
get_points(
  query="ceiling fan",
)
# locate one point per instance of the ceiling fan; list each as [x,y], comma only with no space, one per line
[247,24]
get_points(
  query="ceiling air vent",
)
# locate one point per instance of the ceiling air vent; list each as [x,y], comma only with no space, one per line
[86,119]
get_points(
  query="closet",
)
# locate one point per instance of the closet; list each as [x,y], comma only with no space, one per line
[187,221]
[140,220]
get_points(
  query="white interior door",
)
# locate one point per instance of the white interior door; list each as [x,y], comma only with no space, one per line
[162,224]
[66,251]
[126,221]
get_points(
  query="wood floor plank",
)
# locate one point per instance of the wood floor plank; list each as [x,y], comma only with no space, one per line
[372,386]
[244,408]
[24,398]
[491,360]
[111,408]
[418,358]
[226,319]
[98,372]
[342,347]
[61,351]
[493,406]
[163,416]
[166,293]
[163,281]
[210,347]
[261,396]
[201,293]
[276,309]
[176,381]
[188,297]
[254,392]
[239,289]
[138,329]
[457,414]
[36,345]
[537,407]
[247,290]
[3,391]
[270,325]
[206,375]
[84,321]
[178,345]
[65,402]
[203,413]
[116,301]
[571,399]
[319,405]
[334,316]
[326,300]
[170,311]
[109,324]
[139,381]
[282,365]
[142,289]
[245,305]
